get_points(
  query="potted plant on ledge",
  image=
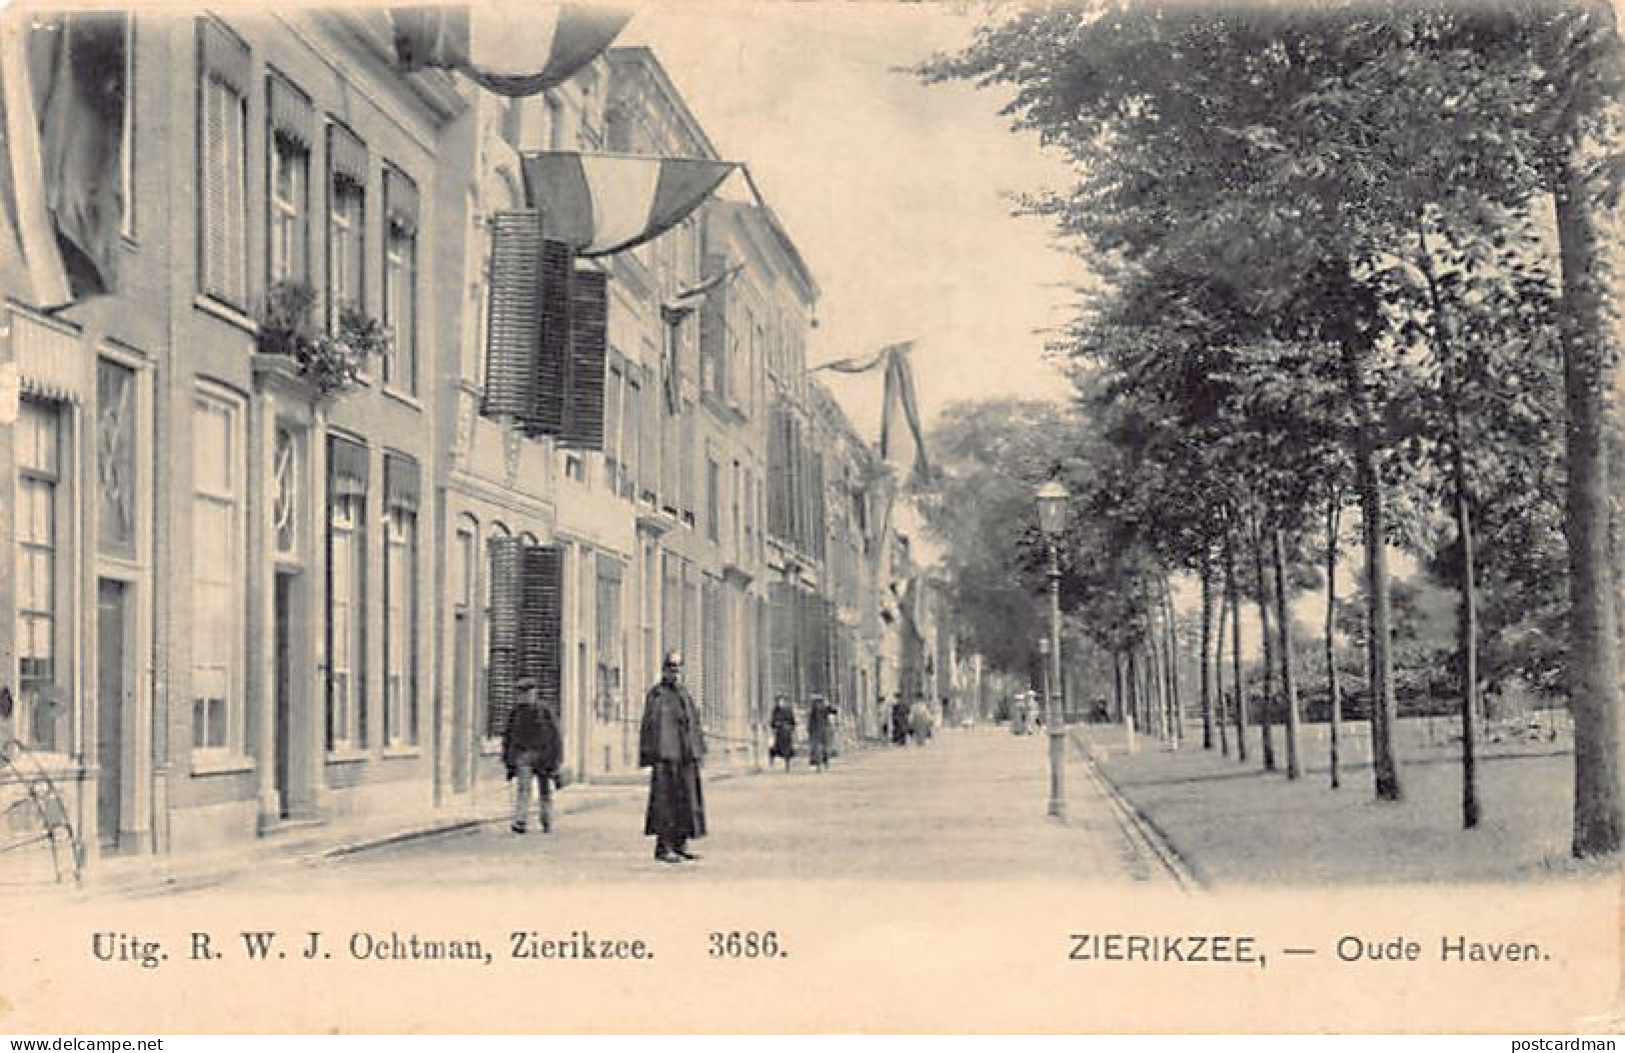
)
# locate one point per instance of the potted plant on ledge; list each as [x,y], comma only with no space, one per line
[333,363]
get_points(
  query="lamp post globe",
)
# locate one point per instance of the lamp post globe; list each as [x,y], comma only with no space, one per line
[1052,498]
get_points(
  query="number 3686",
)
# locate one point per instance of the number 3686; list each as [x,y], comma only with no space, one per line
[748,944]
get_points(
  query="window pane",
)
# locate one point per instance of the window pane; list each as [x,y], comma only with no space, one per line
[115,455]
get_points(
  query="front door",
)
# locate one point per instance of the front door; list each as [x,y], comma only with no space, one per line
[112,688]
[283,732]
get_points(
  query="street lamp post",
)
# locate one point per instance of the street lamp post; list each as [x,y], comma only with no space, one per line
[1052,498]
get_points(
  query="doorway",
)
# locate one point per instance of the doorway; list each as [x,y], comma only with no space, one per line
[284,731]
[113,683]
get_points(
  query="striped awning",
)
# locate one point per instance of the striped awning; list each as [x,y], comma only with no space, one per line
[507,49]
[605,203]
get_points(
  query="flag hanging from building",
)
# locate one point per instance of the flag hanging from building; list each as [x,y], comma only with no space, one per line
[605,203]
[863,364]
[897,398]
[508,49]
[62,100]
[686,301]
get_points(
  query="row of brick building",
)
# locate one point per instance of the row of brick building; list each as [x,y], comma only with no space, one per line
[243,602]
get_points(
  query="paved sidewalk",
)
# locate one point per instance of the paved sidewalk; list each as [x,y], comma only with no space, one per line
[300,845]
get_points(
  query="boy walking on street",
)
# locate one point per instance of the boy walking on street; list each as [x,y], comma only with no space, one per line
[531,749]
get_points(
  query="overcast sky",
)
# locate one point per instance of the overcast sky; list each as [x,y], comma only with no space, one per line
[893,190]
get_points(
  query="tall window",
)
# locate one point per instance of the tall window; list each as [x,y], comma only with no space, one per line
[401,280]
[223,164]
[46,718]
[632,431]
[346,595]
[217,572]
[285,493]
[713,499]
[401,485]
[346,220]
[115,458]
[612,428]
[288,208]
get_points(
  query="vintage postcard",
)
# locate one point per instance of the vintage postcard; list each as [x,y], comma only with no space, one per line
[820,517]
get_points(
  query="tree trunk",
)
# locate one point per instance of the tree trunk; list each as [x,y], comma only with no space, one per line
[1334,506]
[1207,649]
[1374,524]
[1176,715]
[1593,673]
[1289,680]
[1444,334]
[1234,588]
[1157,682]
[1469,654]
[1222,708]
[1131,683]
[1267,706]
[1117,687]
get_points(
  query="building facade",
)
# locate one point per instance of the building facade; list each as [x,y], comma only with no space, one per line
[261,583]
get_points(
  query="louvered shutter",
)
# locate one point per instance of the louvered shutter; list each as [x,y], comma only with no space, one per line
[502,660]
[815,501]
[550,364]
[589,340]
[541,622]
[213,96]
[778,475]
[513,323]
[712,647]
[796,462]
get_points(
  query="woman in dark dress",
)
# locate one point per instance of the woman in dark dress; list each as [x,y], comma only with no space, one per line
[783,723]
[819,732]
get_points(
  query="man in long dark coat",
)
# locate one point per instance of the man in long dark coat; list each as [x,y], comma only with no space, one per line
[672,744]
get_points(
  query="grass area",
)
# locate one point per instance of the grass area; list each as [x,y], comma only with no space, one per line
[1236,824]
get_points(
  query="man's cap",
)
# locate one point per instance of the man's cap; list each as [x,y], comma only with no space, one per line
[674,658]
[525,683]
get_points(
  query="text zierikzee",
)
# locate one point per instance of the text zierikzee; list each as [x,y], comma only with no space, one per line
[1223,948]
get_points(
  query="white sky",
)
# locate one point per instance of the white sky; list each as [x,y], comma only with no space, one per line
[890,188]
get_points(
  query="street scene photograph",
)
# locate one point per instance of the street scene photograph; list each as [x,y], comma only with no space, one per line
[1104,448]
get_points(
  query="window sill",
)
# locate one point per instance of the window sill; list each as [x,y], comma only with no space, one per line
[405,398]
[491,747]
[346,755]
[205,763]
[402,752]
[226,313]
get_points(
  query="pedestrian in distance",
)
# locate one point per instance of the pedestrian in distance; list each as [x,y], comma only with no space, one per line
[899,722]
[671,743]
[531,751]
[820,717]
[783,725]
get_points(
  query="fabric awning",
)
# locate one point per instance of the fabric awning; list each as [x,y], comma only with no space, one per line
[346,468]
[403,483]
[346,156]
[607,203]
[401,201]
[502,49]
[291,114]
